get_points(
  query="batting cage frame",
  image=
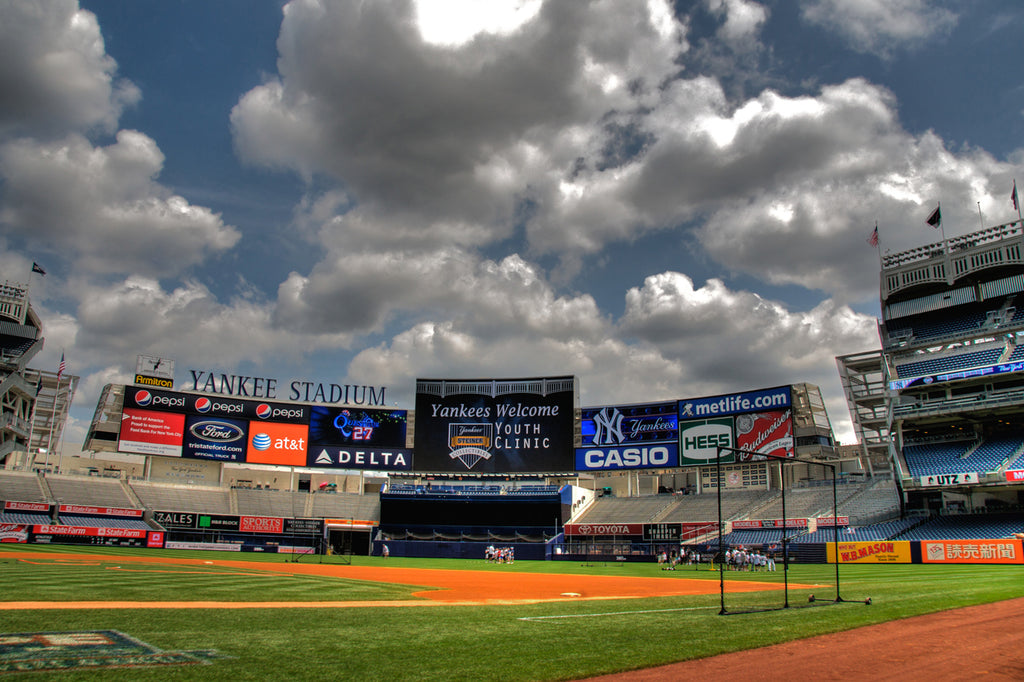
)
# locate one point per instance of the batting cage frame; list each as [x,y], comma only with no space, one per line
[723,451]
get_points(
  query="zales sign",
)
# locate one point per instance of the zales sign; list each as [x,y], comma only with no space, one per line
[242,386]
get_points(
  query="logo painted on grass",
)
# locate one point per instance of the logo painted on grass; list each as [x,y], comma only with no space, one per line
[84,649]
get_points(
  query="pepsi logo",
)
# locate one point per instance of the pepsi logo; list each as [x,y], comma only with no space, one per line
[263,411]
[143,398]
[261,441]
[203,405]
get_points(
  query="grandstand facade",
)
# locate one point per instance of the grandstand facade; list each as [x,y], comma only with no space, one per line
[941,403]
[33,402]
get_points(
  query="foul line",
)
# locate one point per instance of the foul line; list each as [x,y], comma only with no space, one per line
[616,613]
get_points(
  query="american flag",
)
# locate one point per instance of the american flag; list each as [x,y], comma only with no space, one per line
[873,239]
[61,367]
[1013,197]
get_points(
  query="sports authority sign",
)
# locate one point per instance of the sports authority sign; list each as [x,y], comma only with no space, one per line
[496,425]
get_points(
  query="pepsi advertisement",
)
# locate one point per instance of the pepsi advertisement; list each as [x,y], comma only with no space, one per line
[215,406]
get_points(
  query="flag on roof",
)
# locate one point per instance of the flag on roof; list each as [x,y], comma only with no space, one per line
[1013,197]
[61,367]
[36,267]
[873,239]
[935,219]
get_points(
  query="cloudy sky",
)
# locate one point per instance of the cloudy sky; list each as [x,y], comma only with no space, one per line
[665,200]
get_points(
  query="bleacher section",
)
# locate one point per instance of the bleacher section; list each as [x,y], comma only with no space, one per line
[170,497]
[102,522]
[644,509]
[345,506]
[20,486]
[281,503]
[807,502]
[89,490]
[936,458]
[950,363]
[954,457]
[735,504]
[967,527]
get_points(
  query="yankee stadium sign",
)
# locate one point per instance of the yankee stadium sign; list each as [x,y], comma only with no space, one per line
[243,386]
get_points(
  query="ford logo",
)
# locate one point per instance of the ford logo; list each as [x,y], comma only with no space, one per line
[216,431]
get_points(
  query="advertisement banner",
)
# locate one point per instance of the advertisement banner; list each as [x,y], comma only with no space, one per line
[214,406]
[736,403]
[215,438]
[395,459]
[495,425]
[935,480]
[882,552]
[281,444]
[700,440]
[13,532]
[1003,551]
[145,432]
[766,433]
[1015,475]
[37,507]
[662,531]
[84,531]
[604,529]
[217,522]
[303,526]
[173,519]
[100,511]
[629,437]
[261,524]
[155,539]
[351,427]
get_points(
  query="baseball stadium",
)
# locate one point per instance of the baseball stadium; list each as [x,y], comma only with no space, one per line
[500,530]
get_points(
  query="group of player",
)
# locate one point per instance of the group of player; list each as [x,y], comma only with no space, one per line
[669,560]
[741,559]
[500,555]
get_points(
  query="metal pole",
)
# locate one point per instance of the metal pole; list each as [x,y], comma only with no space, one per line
[721,553]
[835,526]
[785,538]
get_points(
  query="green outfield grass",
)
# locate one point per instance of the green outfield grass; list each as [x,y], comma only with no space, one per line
[551,641]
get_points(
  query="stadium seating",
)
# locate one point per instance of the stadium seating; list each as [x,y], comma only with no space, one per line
[89,490]
[967,527]
[936,458]
[174,497]
[20,486]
